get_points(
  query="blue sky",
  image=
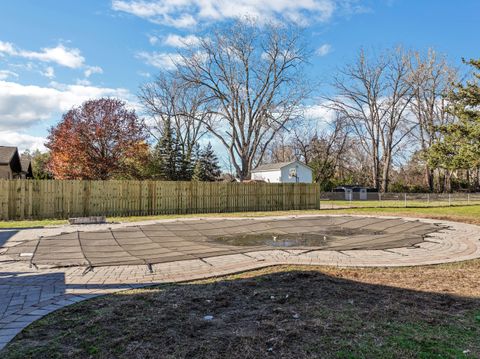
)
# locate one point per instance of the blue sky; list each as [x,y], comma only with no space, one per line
[54,54]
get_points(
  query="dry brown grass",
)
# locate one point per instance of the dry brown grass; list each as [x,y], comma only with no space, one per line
[277,312]
[461,279]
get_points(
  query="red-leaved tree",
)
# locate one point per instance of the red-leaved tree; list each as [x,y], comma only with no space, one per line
[101,139]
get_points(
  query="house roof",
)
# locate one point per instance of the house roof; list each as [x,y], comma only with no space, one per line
[276,166]
[26,164]
[9,156]
[6,154]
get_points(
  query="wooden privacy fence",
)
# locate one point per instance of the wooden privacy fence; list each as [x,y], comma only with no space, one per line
[40,199]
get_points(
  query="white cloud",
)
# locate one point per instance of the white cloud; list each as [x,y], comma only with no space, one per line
[22,140]
[83,82]
[93,70]
[324,50]
[49,72]
[178,41]
[5,74]
[59,54]
[22,106]
[161,60]
[187,13]
[6,47]
[152,39]
[319,113]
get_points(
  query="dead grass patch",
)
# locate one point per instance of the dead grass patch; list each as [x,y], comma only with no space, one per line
[277,312]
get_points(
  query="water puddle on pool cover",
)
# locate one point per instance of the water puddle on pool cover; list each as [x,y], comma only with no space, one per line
[317,239]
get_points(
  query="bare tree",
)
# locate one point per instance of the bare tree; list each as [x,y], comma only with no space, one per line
[320,148]
[354,164]
[432,79]
[251,78]
[302,136]
[280,149]
[169,101]
[373,96]
[326,150]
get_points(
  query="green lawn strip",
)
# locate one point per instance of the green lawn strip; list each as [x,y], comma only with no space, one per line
[469,214]
[400,203]
[32,223]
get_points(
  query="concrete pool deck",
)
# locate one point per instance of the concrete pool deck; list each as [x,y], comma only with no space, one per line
[103,259]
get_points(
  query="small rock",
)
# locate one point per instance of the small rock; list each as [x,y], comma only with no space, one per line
[272,297]
[270,350]
[296,316]
[466,351]
[208,317]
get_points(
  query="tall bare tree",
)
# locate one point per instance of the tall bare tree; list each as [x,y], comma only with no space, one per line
[322,146]
[169,101]
[253,82]
[327,150]
[432,80]
[281,149]
[373,95]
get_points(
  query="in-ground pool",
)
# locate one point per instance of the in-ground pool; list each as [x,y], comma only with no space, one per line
[182,240]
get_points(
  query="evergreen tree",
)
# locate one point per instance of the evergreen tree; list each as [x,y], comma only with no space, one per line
[167,157]
[206,167]
[460,148]
[198,171]
[185,167]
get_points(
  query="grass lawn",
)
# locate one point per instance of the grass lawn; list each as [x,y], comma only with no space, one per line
[277,312]
[397,204]
[468,214]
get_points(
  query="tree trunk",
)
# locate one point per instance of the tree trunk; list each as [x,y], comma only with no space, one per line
[243,174]
[375,167]
[448,181]
[429,178]
[477,180]
[441,180]
[386,172]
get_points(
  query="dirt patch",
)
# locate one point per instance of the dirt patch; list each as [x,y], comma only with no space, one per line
[279,312]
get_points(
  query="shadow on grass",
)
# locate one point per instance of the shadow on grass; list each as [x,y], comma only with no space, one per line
[296,314]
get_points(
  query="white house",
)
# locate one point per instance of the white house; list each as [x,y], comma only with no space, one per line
[283,172]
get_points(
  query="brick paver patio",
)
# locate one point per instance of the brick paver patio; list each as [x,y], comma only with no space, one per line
[31,287]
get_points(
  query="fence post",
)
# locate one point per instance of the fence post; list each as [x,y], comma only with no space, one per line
[428,199]
[405,200]
[449,199]
[468,198]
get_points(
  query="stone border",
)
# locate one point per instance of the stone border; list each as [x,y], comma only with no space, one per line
[32,294]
